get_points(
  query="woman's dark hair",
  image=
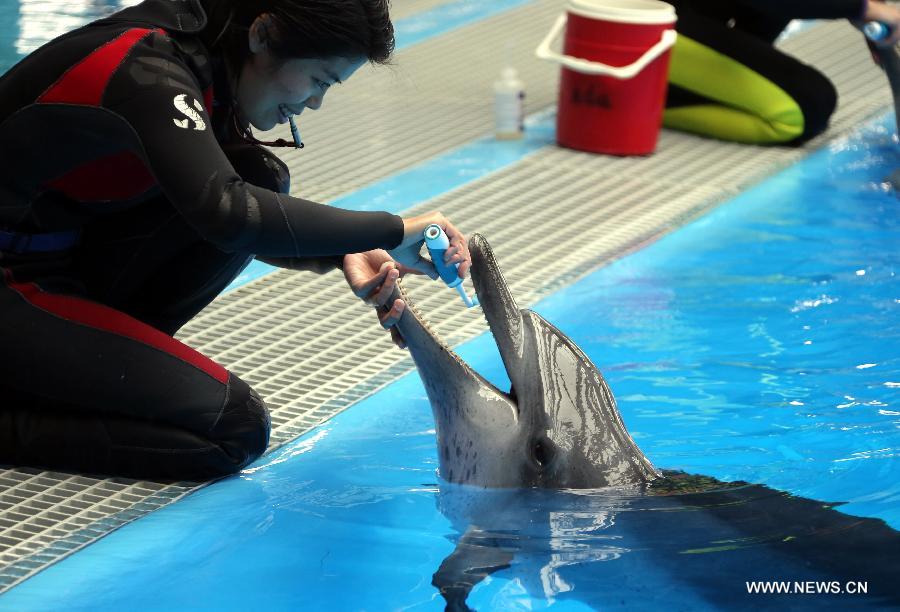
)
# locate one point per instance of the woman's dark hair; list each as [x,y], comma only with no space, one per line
[302,28]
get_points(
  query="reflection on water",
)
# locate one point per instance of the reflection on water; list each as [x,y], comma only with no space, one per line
[42,20]
[9,34]
[25,25]
[710,537]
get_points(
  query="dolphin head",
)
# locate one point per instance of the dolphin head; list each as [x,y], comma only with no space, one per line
[557,427]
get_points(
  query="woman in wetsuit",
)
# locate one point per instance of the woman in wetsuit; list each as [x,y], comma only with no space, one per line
[132,191]
[728,81]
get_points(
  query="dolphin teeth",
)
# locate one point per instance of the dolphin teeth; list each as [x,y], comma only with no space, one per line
[427,325]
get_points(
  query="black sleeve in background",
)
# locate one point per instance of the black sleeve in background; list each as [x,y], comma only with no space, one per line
[160,99]
[787,9]
[809,9]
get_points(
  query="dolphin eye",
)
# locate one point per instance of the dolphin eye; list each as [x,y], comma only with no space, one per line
[540,452]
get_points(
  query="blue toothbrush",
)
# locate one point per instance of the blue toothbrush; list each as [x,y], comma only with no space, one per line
[437,242]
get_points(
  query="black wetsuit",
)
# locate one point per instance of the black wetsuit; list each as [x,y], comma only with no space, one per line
[701,86]
[126,205]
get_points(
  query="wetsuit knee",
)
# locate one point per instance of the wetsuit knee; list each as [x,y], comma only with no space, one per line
[242,428]
[817,98]
[259,167]
[734,85]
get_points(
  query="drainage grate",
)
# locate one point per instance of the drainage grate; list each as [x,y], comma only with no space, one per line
[279,333]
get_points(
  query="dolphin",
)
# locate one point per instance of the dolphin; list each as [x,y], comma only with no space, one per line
[522,467]
[558,425]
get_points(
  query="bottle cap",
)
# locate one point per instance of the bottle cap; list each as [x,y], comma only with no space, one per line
[509,74]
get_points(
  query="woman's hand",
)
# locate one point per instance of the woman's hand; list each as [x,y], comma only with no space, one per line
[889,15]
[372,276]
[408,253]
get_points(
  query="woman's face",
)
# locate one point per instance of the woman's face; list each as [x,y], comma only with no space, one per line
[266,84]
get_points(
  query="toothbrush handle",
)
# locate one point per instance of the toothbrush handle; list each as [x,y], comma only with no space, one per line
[437,242]
[447,272]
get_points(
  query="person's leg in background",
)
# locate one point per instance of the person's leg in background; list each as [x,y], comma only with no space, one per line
[728,81]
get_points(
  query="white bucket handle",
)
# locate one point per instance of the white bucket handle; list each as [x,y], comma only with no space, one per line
[588,67]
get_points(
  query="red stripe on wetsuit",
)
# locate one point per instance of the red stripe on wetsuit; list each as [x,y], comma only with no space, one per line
[103,318]
[121,176]
[85,82]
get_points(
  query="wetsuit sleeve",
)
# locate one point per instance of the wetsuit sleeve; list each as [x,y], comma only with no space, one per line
[160,99]
[319,265]
[805,9]
[784,9]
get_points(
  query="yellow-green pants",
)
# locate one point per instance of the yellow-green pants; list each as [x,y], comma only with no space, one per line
[731,84]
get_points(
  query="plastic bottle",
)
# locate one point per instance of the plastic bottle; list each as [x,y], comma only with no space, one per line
[509,105]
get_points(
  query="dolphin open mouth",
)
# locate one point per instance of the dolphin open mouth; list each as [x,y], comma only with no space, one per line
[558,425]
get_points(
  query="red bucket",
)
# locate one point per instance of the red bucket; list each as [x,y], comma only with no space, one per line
[615,67]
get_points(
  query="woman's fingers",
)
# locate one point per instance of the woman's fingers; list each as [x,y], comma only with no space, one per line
[464,268]
[383,293]
[363,287]
[889,15]
[389,319]
[460,249]
[392,316]
[894,38]
[408,251]
[397,338]
[424,266]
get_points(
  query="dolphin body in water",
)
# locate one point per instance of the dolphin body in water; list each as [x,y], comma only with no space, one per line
[558,427]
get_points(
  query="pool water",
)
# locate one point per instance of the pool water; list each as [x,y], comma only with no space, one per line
[760,343]
[25,25]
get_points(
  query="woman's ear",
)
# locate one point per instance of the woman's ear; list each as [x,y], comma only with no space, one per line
[260,30]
